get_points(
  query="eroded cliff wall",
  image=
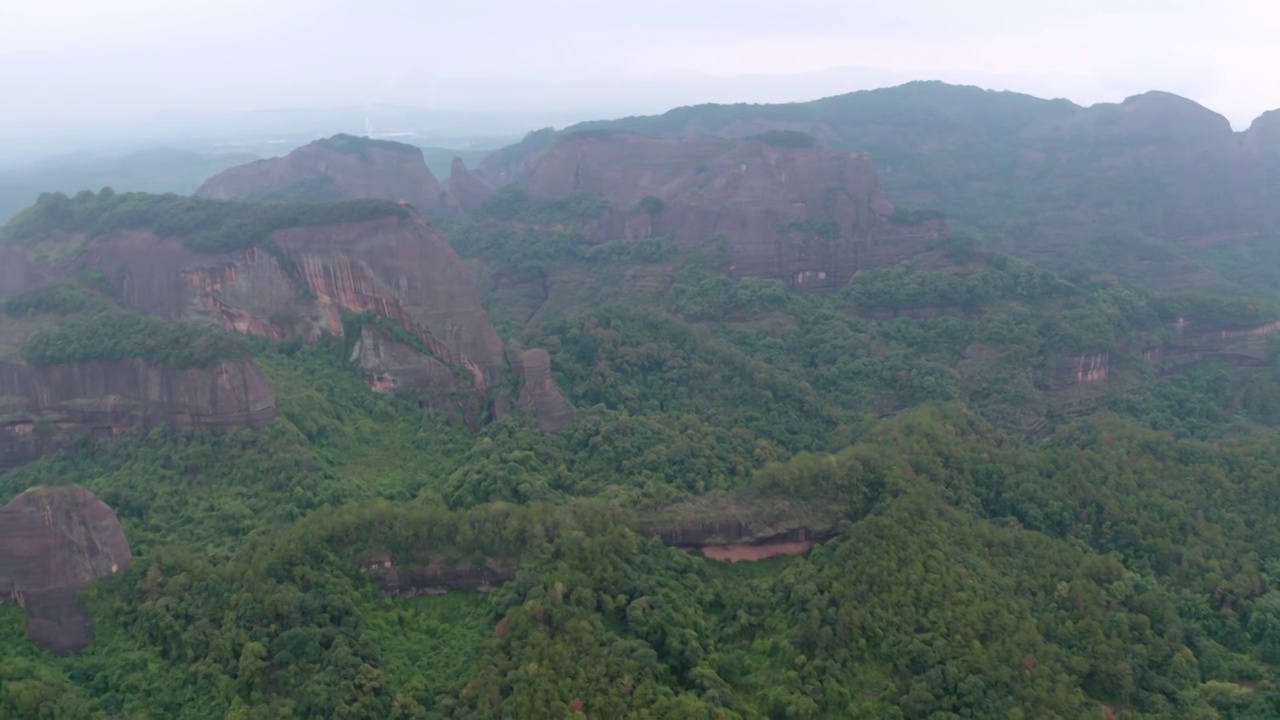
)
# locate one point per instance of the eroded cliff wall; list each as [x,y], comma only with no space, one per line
[788,209]
[45,409]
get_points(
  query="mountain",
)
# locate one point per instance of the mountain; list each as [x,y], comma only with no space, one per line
[342,167]
[788,208]
[145,343]
[1156,189]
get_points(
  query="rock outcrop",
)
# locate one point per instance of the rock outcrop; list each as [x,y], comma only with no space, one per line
[395,578]
[539,394]
[316,279]
[1073,370]
[393,366]
[396,267]
[735,526]
[45,409]
[342,167]
[788,208]
[466,192]
[54,542]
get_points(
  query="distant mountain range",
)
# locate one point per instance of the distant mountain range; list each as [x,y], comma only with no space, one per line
[1156,189]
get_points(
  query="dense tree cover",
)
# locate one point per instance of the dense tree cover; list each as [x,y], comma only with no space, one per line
[114,334]
[513,203]
[786,138]
[204,225]
[973,576]
[359,146]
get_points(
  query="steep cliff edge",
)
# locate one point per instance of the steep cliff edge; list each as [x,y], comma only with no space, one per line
[45,409]
[342,167]
[539,394]
[466,191]
[55,541]
[788,208]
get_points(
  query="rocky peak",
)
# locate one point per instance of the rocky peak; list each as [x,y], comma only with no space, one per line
[55,541]
[342,167]
[466,191]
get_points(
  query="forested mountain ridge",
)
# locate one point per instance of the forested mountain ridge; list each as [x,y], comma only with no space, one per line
[1156,189]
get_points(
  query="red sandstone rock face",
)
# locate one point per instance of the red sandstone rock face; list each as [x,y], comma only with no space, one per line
[811,216]
[465,191]
[394,367]
[752,553]
[403,269]
[55,541]
[46,409]
[400,268]
[539,393]
[339,168]
[1079,370]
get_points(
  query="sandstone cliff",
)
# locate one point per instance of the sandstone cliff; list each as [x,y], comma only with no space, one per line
[396,267]
[342,167]
[788,208]
[740,526]
[315,278]
[45,409]
[538,393]
[55,541]
[466,192]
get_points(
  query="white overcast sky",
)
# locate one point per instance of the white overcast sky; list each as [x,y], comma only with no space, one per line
[81,59]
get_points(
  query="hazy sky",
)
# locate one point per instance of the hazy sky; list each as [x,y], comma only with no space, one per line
[90,61]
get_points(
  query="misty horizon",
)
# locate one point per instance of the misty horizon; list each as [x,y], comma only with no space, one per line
[139,66]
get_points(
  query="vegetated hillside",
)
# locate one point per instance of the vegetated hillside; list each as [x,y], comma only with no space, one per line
[1022,494]
[1155,189]
[1022,346]
[158,170]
